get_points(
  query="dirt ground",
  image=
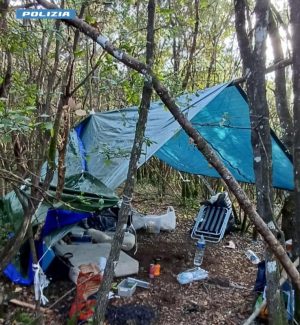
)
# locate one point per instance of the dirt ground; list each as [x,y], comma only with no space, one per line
[226,297]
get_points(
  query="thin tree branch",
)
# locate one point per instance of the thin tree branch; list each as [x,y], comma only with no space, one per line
[83,81]
[276,66]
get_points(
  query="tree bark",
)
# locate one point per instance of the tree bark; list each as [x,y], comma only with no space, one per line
[254,66]
[281,100]
[193,47]
[131,175]
[39,314]
[288,216]
[5,84]
[295,22]
[199,141]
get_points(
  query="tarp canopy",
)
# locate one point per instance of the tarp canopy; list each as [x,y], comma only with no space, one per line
[82,193]
[101,144]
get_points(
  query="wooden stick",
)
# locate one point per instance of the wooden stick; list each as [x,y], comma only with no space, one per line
[28,305]
[279,65]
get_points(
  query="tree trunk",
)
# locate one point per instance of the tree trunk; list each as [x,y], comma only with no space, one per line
[288,216]
[131,175]
[6,82]
[295,22]
[39,314]
[193,47]
[254,64]
[199,141]
[282,108]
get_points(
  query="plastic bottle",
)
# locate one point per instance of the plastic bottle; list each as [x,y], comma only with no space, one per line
[252,256]
[156,267]
[189,276]
[151,271]
[200,248]
[102,264]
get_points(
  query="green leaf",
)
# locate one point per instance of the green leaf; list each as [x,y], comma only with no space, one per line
[48,126]
[79,53]
[90,19]
[166,11]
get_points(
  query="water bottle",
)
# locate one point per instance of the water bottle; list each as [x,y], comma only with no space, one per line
[189,276]
[200,248]
[252,256]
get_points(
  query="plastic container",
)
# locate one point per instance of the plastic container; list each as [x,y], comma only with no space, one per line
[126,288]
[140,283]
[199,253]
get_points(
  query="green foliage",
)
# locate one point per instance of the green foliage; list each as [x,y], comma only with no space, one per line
[6,228]
[25,318]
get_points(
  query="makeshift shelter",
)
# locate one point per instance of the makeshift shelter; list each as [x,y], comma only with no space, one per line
[82,195]
[99,149]
[101,144]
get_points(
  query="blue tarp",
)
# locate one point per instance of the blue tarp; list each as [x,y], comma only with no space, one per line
[219,113]
[225,124]
[56,219]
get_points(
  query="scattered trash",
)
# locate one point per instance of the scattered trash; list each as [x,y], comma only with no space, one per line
[289,302]
[289,245]
[151,271]
[126,288]
[88,283]
[18,289]
[152,225]
[112,295]
[156,267]
[191,275]
[165,221]
[199,253]
[230,245]
[253,258]
[140,283]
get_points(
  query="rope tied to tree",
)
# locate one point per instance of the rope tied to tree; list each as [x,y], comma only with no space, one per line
[126,200]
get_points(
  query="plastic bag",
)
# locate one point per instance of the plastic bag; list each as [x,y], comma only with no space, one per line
[87,284]
[166,221]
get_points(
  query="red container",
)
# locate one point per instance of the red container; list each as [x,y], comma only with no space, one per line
[151,271]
